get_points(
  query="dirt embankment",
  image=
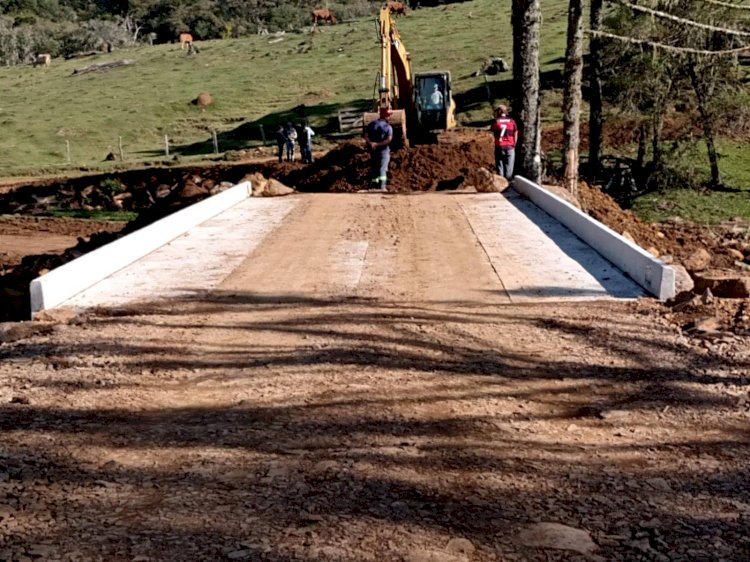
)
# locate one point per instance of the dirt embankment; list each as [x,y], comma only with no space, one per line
[154,193]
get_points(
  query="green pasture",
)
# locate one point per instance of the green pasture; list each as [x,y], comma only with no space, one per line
[702,205]
[254,80]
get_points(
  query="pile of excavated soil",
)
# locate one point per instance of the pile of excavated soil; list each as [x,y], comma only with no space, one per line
[418,168]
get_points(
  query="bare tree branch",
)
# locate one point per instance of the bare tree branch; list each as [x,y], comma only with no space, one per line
[727,4]
[670,48]
[684,21]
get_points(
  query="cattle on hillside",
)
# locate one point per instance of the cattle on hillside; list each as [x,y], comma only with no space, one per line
[322,15]
[397,8]
[185,40]
[43,60]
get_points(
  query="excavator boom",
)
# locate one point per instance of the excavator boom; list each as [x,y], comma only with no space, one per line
[421,103]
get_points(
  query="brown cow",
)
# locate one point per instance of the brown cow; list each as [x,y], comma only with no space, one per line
[185,40]
[322,15]
[397,8]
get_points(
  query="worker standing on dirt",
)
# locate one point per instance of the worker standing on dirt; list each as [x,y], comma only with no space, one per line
[305,142]
[280,142]
[378,136]
[290,134]
[505,130]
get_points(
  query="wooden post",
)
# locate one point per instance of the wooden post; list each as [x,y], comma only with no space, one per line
[216,142]
[119,142]
[166,146]
[67,150]
[262,134]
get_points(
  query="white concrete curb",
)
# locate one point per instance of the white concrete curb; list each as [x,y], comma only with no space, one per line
[66,281]
[646,270]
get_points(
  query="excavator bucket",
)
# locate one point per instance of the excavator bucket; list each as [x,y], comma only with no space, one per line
[397,122]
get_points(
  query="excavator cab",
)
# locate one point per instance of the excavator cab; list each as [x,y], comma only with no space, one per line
[433,101]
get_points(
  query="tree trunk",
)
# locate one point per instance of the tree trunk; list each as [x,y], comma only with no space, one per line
[526,21]
[707,122]
[640,160]
[595,96]
[572,96]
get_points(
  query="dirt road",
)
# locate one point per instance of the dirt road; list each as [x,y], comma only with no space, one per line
[315,408]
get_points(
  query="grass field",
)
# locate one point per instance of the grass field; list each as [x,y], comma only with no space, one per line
[253,80]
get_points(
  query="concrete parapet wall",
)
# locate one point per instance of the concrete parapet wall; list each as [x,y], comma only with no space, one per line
[64,282]
[649,272]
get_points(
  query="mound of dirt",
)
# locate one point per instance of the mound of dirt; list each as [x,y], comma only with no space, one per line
[677,238]
[418,168]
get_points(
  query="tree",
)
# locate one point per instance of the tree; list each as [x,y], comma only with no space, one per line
[596,128]
[526,22]
[685,54]
[572,95]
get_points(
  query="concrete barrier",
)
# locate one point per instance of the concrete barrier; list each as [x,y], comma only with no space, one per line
[62,283]
[646,270]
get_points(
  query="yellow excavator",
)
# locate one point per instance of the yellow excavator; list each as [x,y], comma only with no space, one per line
[422,103]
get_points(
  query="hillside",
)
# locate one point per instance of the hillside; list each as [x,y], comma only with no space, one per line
[258,79]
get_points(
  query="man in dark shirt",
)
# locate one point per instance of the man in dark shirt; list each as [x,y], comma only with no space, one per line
[378,136]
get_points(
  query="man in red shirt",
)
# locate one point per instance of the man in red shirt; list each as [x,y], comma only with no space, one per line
[506,134]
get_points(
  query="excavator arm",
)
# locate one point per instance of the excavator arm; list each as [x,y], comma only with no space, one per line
[395,82]
[409,96]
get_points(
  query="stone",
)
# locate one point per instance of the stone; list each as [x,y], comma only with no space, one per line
[704,325]
[653,251]
[682,280]
[698,260]
[659,484]
[60,315]
[723,283]
[629,237]
[240,554]
[263,187]
[162,191]
[204,99]
[486,182]
[40,550]
[614,414]
[667,259]
[736,254]
[460,546]
[556,536]
[276,189]
[14,331]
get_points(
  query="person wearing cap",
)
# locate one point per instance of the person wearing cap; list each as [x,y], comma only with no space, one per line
[378,136]
[505,131]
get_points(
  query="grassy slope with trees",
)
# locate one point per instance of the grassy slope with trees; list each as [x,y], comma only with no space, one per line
[262,78]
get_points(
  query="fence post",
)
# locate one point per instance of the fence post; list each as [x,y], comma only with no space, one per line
[119,143]
[262,134]
[489,90]
[67,150]
[216,142]
[166,146]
